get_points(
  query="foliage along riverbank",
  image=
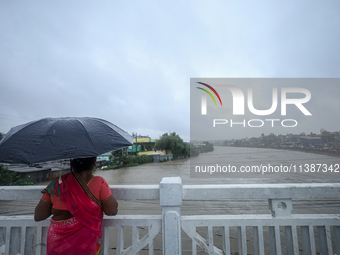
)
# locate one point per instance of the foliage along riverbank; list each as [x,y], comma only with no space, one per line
[203,148]
[167,142]
[9,178]
[175,143]
[119,159]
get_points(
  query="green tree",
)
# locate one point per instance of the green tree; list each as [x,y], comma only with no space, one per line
[8,178]
[270,139]
[327,137]
[1,135]
[118,156]
[174,143]
[207,147]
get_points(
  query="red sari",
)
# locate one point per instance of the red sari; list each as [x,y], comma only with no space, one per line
[82,233]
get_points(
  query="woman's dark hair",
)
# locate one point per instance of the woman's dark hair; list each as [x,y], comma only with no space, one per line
[83,164]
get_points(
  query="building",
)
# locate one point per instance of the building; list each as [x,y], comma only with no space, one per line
[310,140]
[143,145]
[104,157]
[40,172]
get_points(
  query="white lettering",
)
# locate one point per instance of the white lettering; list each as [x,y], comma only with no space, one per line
[289,120]
[219,121]
[272,121]
[297,102]
[238,101]
[262,112]
[238,123]
[262,123]
[238,98]
[251,124]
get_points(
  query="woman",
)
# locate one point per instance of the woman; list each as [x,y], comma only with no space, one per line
[77,202]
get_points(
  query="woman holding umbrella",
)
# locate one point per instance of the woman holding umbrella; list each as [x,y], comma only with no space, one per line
[77,205]
[77,201]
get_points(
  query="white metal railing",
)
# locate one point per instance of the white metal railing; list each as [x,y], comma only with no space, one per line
[22,235]
[279,233]
[285,233]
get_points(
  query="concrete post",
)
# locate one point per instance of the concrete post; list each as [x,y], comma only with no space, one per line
[171,201]
[281,207]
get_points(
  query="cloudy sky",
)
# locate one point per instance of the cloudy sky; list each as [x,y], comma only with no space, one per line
[131,62]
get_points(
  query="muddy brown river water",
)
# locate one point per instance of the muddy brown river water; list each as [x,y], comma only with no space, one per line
[153,173]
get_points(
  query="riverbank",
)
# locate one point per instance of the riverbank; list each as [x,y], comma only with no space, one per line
[333,153]
[321,152]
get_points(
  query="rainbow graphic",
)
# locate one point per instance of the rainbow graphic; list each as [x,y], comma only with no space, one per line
[213,90]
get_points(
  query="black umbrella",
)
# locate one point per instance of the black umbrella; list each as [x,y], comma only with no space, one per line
[61,138]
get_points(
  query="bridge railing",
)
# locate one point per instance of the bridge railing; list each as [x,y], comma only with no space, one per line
[280,232]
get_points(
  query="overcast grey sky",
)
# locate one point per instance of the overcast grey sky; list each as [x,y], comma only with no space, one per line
[131,62]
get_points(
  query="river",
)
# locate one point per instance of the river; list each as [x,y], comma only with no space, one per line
[152,173]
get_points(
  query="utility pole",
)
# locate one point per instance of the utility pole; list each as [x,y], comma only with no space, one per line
[136,145]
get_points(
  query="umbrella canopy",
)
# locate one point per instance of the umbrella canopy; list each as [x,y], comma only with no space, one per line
[61,138]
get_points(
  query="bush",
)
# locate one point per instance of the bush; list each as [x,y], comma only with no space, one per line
[8,178]
[143,159]
[118,157]
[207,147]
[130,164]
[126,161]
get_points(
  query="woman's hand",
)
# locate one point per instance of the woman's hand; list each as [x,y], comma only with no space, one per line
[43,210]
[110,205]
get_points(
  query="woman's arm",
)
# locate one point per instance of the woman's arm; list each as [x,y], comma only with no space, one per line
[110,205]
[43,210]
